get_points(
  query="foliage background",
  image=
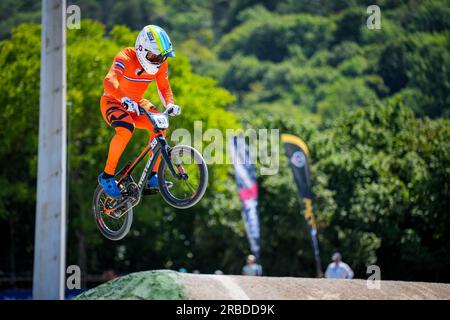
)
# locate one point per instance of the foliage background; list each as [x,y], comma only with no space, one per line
[372,105]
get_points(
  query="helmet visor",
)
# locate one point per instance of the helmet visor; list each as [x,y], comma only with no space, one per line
[155,58]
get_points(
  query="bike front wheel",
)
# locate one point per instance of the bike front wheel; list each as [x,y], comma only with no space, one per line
[189,185]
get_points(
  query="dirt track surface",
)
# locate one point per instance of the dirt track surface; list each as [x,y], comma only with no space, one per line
[212,287]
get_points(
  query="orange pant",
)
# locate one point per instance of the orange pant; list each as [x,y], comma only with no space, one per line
[123,123]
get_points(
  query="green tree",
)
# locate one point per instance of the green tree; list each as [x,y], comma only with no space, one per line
[420,61]
[430,16]
[343,95]
[269,38]
[382,190]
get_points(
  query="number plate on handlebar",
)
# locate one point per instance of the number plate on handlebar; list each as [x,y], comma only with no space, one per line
[161,121]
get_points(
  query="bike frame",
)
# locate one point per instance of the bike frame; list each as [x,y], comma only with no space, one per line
[158,145]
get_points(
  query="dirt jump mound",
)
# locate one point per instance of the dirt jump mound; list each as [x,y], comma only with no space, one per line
[167,284]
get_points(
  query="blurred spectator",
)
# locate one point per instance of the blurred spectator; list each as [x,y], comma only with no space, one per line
[252,268]
[109,275]
[219,272]
[183,270]
[338,269]
[196,271]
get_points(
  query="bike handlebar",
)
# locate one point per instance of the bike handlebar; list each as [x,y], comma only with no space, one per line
[150,117]
[166,112]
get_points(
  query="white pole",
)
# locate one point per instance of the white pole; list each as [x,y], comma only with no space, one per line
[50,231]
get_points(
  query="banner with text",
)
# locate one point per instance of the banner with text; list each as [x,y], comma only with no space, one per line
[298,156]
[248,190]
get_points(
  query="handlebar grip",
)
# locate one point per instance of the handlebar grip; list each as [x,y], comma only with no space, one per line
[169,110]
[141,109]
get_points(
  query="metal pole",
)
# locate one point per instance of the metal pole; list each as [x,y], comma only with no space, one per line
[50,231]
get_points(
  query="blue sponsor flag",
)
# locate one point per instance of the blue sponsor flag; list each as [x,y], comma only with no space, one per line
[248,190]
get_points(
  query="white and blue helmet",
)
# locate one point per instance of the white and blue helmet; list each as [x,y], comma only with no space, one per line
[153,46]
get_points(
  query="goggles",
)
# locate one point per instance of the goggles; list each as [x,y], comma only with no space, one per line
[154,58]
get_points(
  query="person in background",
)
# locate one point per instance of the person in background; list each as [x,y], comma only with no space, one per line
[252,268]
[338,269]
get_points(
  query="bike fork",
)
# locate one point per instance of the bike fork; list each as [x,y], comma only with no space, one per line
[165,150]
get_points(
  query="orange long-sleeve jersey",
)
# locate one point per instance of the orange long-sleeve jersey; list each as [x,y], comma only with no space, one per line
[126,78]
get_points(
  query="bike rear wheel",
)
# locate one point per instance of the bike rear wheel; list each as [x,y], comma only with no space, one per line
[114,225]
[188,191]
